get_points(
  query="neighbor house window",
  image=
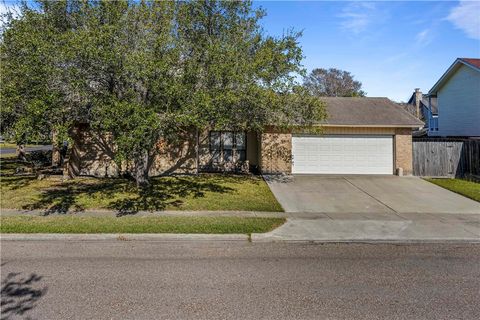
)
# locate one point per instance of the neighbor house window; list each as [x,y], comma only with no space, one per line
[227,146]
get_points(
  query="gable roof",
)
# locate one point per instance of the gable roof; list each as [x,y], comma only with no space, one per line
[360,111]
[469,62]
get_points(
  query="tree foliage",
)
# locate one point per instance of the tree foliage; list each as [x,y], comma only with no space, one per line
[333,83]
[143,70]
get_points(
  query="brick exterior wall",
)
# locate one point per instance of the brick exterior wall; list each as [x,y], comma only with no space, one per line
[92,154]
[276,152]
[403,150]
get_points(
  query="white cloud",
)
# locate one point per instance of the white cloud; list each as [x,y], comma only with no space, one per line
[357,16]
[466,16]
[423,38]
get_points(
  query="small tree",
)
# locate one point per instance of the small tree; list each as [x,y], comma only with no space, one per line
[333,83]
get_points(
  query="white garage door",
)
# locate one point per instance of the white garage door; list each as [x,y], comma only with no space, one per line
[346,154]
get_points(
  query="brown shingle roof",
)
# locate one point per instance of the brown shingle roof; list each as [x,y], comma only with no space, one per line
[367,112]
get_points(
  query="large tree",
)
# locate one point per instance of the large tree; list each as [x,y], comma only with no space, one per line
[140,71]
[333,83]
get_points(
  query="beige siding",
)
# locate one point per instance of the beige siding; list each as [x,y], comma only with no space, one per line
[358,130]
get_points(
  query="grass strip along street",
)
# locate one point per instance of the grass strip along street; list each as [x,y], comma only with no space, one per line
[129,224]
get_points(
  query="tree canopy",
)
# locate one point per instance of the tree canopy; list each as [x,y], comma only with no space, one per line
[333,83]
[143,70]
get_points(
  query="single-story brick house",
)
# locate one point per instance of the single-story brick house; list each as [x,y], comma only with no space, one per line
[359,136]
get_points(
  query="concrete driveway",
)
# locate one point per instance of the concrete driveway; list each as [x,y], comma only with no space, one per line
[366,194]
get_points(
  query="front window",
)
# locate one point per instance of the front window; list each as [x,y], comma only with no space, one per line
[216,146]
[227,146]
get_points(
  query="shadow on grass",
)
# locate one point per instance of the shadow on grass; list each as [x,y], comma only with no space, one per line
[162,193]
[8,166]
[57,196]
[20,294]
[64,197]
[10,179]
[17,182]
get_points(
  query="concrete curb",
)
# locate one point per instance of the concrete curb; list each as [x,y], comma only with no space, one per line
[122,237]
[256,238]
[367,241]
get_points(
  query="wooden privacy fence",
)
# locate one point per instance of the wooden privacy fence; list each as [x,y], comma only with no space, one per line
[446,157]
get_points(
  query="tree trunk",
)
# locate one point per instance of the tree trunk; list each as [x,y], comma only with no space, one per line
[21,153]
[55,150]
[141,170]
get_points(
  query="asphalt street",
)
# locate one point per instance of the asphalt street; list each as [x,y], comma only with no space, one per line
[28,149]
[238,280]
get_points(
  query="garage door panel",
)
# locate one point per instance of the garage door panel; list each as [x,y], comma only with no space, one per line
[342,154]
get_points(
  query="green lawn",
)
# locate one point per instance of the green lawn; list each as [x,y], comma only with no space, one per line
[129,224]
[469,189]
[202,192]
[7,156]
[8,145]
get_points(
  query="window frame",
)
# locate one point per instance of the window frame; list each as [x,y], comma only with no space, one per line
[236,152]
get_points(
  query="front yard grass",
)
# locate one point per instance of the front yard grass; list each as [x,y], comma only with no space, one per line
[203,192]
[7,155]
[129,224]
[8,145]
[466,188]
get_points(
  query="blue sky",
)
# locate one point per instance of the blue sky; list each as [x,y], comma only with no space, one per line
[391,47]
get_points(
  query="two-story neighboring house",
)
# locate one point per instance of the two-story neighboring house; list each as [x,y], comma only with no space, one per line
[422,107]
[453,103]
